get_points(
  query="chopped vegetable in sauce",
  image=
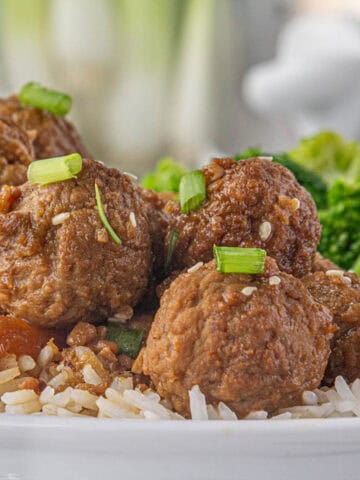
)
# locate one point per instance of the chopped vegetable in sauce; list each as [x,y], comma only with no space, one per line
[129,340]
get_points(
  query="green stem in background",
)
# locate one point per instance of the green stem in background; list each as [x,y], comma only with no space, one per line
[52,170]
[148,31]
[239,260]
[45,99]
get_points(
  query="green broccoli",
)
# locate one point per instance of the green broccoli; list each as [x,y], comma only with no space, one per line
[329,155]
[308,179]
[165,177]
[340,239]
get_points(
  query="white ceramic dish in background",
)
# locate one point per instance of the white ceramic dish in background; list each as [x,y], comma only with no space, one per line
[51,448]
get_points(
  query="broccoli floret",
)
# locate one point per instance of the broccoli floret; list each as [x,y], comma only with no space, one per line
[329,155]
[165,177]
[310,180]
[249,153]
[340,239]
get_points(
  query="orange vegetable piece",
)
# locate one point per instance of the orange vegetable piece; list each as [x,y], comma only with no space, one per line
[21,338]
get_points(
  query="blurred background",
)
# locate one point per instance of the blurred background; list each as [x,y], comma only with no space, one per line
[189,78]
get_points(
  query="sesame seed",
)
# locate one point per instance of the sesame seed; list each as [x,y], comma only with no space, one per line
[248,290]
[335,273]
[132,219]
[195,267]
[60,218]
[266,158]
[274,280]
[347,280]
[265,230]
[131,176]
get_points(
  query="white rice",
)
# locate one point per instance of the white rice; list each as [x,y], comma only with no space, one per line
[123,400]
[18,397]
[58,380]
[45,356]
[90,376]
[26,363]
[9,374]
[198,404]
[257,415]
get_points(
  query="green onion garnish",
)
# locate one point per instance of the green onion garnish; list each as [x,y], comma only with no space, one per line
[52,170]
[103,218]
[128,339]
[171,248]
[239,260]
[40,97]
[192,191]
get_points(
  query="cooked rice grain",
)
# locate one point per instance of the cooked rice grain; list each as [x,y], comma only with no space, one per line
[122,400]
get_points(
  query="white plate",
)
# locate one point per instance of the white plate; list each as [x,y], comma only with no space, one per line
[51,448]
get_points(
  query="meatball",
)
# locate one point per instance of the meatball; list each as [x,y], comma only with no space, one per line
[251,341]
[340,292]
[58,264]
[321,264]
[251,203]
[345,357]
[16,152]
[50,135]
[158,222]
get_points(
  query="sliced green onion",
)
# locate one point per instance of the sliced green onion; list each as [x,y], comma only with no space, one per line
[171,248]
[40,97]
[239,260]
[52,170]
[129,340]
[192,191]
[103,218]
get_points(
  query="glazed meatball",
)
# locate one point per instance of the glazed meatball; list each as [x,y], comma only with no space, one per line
[50,135]
[251,203]
[158,223]
[252,341]
[345,357]
[58,264]
[340,292]
[321,264]
[16,152]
